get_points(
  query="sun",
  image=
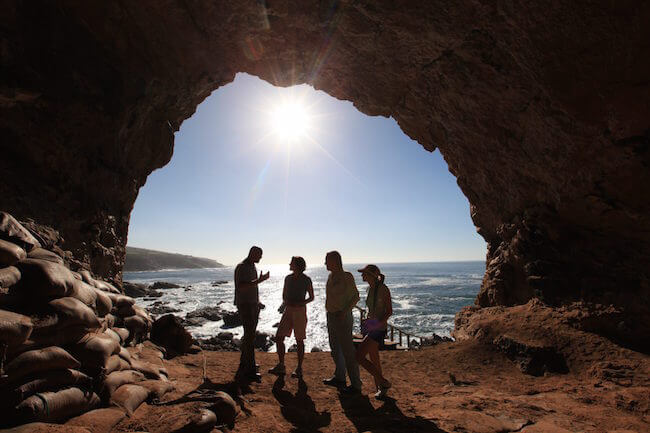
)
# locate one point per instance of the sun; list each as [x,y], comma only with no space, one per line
[290,121]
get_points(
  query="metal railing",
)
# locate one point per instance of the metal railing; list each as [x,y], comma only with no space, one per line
[392,330]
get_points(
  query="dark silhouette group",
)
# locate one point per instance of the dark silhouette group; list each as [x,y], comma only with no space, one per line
[341,296]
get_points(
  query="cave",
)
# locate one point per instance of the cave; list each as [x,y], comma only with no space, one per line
[541,113]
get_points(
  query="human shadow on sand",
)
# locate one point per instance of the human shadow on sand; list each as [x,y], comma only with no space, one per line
[386,418]
[207,392]
[299,409]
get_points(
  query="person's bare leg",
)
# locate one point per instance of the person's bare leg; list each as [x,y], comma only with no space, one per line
[301,353]
[374,358]
[279,343]
[364,348]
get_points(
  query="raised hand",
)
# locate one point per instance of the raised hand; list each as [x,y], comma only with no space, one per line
[263,277]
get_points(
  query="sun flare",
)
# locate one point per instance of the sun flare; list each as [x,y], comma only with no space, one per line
[290,121]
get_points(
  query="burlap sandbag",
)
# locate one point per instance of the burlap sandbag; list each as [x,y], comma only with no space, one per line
[72,311]
[11,230]
[125,311]
[110,321]
[15,328]
[136,325]
[117,379]
[102,420]
[93,350]
[142,313]
[41,278]
[49,336]
[106,287]
[114,335]
[57,406]
[43,254]
[129,397]
[103,303]
[202,422]
[118,334]
[122,332]
[115,363]
[52,380]
[125,355]
[87,277]
[150,371]
[157,388]
[225,408]
[120,300]
[10,253]
[9,276]
[33,361]
[77,275]
[84,293]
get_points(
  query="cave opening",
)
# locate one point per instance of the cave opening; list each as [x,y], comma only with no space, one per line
[345,181]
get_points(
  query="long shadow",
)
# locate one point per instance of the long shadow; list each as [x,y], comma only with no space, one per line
[386,418]
[300,409]
[206,392]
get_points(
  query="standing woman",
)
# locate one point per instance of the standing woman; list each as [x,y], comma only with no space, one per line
[297,285]
[373,328]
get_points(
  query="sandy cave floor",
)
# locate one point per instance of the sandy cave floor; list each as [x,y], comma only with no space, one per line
[491,395]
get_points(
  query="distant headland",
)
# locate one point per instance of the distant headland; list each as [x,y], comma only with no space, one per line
[140,259]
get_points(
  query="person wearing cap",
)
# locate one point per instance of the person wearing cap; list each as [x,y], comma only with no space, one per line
[247,300]
[341,295]
[297,285]
[374,327]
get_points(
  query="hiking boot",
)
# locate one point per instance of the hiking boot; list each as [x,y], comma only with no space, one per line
[297,373]
[333,381]
[350,390]
[279,369]
[382,390]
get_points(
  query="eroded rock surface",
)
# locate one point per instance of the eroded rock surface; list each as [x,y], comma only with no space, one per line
[541,112]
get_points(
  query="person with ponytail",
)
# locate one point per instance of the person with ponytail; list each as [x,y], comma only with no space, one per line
[374,327]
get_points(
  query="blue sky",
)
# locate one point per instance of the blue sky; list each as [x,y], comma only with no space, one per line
[350,182]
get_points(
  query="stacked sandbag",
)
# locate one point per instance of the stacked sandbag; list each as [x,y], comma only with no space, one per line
[46,385]
[63,336]
[133,318]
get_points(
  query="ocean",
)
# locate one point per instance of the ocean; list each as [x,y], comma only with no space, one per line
[426,296]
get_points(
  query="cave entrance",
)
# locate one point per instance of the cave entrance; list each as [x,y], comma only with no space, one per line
[299,172]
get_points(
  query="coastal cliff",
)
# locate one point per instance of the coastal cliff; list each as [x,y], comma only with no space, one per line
[141,259]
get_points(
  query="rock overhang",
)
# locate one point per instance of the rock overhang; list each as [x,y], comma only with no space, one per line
[541,113]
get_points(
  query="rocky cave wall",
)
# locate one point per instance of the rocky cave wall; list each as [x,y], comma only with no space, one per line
[541,110]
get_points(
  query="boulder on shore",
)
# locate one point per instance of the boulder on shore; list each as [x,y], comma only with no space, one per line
[210,313]
[262,341]
[231,319]
[136,290]
[169,333]
[165,285]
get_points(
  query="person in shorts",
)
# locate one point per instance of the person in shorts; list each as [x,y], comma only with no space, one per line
[297,286]
[373,328]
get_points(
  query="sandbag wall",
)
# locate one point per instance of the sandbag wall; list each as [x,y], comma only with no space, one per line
[63,336]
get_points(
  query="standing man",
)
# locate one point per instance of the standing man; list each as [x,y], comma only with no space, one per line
[248,305]
[341,295]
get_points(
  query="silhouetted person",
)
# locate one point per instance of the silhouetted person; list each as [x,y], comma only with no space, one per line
[248,305]
[294,313]
[341,297]
[373,328]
